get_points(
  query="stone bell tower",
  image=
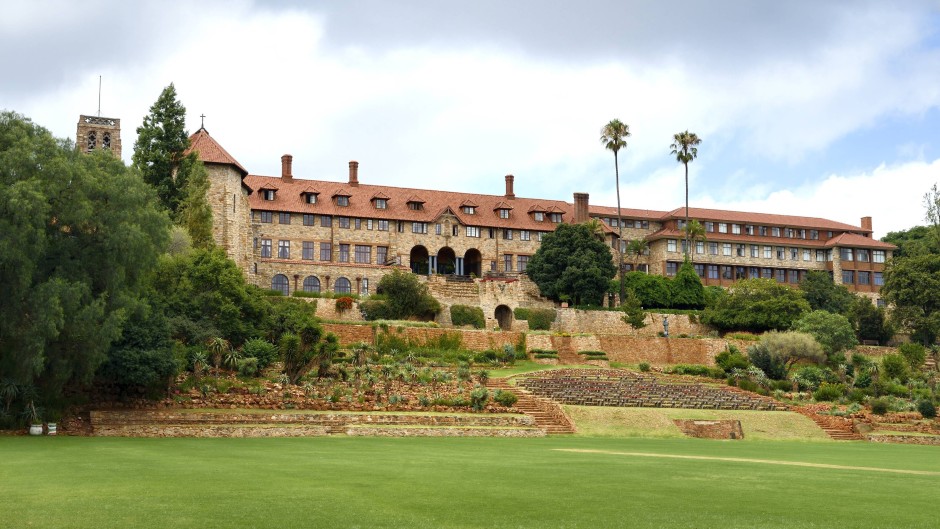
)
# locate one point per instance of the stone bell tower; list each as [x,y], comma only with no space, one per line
[95,132]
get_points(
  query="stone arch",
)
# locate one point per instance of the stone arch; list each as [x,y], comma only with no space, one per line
[280,283]
[92,140]
[503,315]
[446,261]
[342,286]
[473,262]
[419,260]
[311,284]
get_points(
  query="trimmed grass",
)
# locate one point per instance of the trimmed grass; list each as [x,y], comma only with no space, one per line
[528,366]
[597,421]
[467,483]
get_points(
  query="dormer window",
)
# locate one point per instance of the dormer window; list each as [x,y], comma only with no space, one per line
[539,216]
[469,210]
[342,201]
[310,198]
[415,206]
[503,213]
[381,203]
[556,217]
[267,194]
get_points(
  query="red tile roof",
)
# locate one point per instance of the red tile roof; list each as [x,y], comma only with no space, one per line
[854,239]
[763,219]
[210,151]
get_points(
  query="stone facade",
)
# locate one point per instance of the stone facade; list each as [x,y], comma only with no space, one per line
[710,429]
[96,132]
[229,202]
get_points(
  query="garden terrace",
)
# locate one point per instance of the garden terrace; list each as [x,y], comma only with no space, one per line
[621,388]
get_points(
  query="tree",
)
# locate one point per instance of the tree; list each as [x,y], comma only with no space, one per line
[405,297]
[685,148]
[694,232]
[142,358]
[932,214]
[756,305]
[833,332]
[915,241]
[194,213]
[161,141]
[912,286]
[686,288]
[823,294]
[635,249]
[653,291]
[785,349]
[614,137]
[870,322]
[572,265]
[79,235]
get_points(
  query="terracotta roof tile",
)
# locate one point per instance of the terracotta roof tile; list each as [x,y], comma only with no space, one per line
[210,151]
[854,239]
[765,219]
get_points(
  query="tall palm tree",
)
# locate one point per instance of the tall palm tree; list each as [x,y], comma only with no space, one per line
[613,136]
[684,146]
[636,248]
[694,232]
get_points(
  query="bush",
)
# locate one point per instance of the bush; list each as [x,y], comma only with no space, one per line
[479,397]
[879,406]
[305,294]
[927,409]
[247,367]
[466,315]
[748,385]
[914,353]
[731,358]
[594,355]
[809,378]
[539,319]
[644,367]
[262,350]
[697,370]
[833,332]
[407,297]
[829,392]
[772,366]
[344,303]
[505,398]
[894,366]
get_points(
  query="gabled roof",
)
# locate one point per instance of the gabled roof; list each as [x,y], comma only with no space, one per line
[209,151]
[469,203]
[341,192]
[766,219]
[380,195]
[310,189]
[537,208]
[416,199]
[501,205]
[854,239]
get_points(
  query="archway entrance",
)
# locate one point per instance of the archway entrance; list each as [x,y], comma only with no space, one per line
[446,261]
[419,260]
[473,263]
[503,315]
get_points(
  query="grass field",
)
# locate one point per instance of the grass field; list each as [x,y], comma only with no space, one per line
[465,483]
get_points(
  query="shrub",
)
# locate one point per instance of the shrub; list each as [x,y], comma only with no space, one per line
[262,350]
[467,315]
[539,319]
[407,296]
[748,385]
[697,370]
[247,367]
[894,366]
[485,357]
[632,308]
[594,355]
[833,332]
[344,303]
[879,406]
[772,366]
[731,358]
[829,392]
[305,294]
[914,353]
[644,366]
[810,377]
[505,398]
[927,409]
[479,397]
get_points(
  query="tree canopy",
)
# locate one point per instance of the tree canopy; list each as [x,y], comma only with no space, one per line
[912,285]
[823,294]
[833,332]
[756,305]
[572,265]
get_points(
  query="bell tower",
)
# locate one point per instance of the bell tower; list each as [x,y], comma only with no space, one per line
[95,132]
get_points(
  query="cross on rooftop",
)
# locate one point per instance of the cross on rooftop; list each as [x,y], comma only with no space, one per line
[202,124]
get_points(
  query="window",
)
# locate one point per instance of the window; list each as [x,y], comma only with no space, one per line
[381,203]
[767,273]
[283,218]
[538,236]
[363,254]
[629,223]
[381,255]
[419,227]
[794,254]
[671,245]
[781,275]
[712,271]
[342,286]
[437,229]
[364,287]
[722,227]
[794,276]
[740,272]
[802,234]
[848,277]
[775,231]
[768,252]
[845,254]
[343,222]
[283,249]
[265,247]
[680,224]
[821,256]
[739,250]
[556,217]
[311,284]
[383,225]
[415,206]
[671,268]
[762,230]
[755,250]
[781,253]
[726,249]
[279,282]
[807,254]
[473,231]
[326,251]
[309,220]
[342,202]
[507,262]
[267,194]
[539,216]
[92,140]
[879,278]
[643,224]
[749,229]
[522,261]
[861,255]
[369,224]
[344,253]
[710,227]
[358,223]
[753,273]
[267,217]
[878,256]
[713,248]
[310,198]
[736,229]
[507,234]
[727,272]
[864,278]
[469,210]
[306,250]
[326,221]
[699,269]
[814,234]
[790,233]
[524,235]
[699,247]
[401,226]
[503,213]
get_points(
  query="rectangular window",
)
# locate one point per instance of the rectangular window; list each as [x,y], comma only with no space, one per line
[767,273]
[820,256]
[503,213]
[383,225]
[343,222]
[469,210]
[781,275]
[736,229]
[713,248]
[342,201]
[699,269]
[538,236]
[381,203]
[671,245]
[363,254]
[807,254]
[794,276]
[309,219]
[861,255]
[740,272]
[755,250]
[401,226]
[358,223]
[814,235]
[727,272]
[749,229]
[845,254]
[539,216]
[507,234]
[775,231]
[419,227]
[726,249]
[326,252]
[310,198]
[381,255]
[802,234]
[283,249]
[326,221]
[344,253]
[699,247]
[455,230]
[283,218]
[507,262]
[878,256]
[671,268]
[307,250]
[762,230]
[680,224]
[415,206]
[768,252]
[794,254]
[555,217]
[437,229]
[753,273]
[643,224]
[265,247]
[473,231]
[864,278]
[369,224]
[781,253]
[848,277]
[739,250]
[267,217]
[712,271]
[364,287]
[790,233]
[879,278]
[522,261]
[710,227]
[267,194]
[524,235]
[722,227]
[629,223]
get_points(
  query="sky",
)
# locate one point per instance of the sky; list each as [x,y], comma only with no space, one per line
[816,108]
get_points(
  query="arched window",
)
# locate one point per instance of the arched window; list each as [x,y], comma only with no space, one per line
[106,140]
[280,283]
[343,286]
[311,284]
[92,140]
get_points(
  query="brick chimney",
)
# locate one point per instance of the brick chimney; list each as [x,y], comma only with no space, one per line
[286,162]
[581,208]
[509,180]
[866,223]
[354,173]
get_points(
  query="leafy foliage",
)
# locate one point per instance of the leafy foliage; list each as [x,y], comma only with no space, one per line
[823,294]
[161,140]
[405,296]
[778,351]
[653,291]
[895,366]
[143,356]
[572,265]
[686,290]
[634,315]
[832,331]
[871,322]
[467,315]
[756,305]
[539,319]
[912,285]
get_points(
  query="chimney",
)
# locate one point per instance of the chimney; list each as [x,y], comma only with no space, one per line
[866,223]
[581,208]
[354,173]
[286,162]
[509,194]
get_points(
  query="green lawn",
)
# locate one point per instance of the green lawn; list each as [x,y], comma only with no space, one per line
[473,482]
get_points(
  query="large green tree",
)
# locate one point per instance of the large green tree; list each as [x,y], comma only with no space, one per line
[614,137]
[756,305]
[912,286]
[686,288]
[571,264]
[834,332]
[914,241]
[79,237]
[823,294]
[685,149]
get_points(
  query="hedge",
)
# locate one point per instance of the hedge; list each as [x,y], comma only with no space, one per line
[467,315]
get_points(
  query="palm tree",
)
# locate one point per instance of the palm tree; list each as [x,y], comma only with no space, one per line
[217,347]
[636,248]
[694,232]
[613,136]
[684,147]
[596,228]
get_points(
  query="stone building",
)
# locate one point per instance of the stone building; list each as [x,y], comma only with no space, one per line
[96,132]
[293,234]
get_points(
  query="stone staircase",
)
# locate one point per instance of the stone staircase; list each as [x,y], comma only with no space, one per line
[547,414]
[454,288]
[567,354]
[930,363]
[837,428]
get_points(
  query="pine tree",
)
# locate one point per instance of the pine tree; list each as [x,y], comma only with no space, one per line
[161,141]
[194,213]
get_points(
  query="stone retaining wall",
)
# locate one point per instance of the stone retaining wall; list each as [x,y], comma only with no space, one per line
[380,431]
[905,439]
[711,429]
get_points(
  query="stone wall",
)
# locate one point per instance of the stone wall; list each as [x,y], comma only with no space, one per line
[708,429]
[611,322]
[231,227]
[905,439]
[474,340]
